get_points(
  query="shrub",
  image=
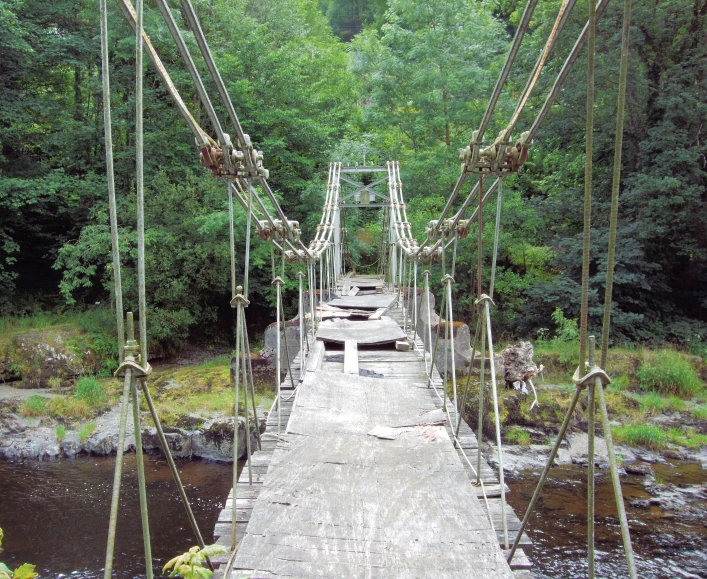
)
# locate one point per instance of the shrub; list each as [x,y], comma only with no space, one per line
[33,406]
[668,372]
[60,432]
[647,435]
[567,330]
[89,390]
[86,430]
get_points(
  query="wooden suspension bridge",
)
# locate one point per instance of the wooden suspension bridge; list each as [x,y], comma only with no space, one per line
[363,479]
[360,473]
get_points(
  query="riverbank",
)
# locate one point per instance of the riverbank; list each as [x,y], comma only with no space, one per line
[194,402]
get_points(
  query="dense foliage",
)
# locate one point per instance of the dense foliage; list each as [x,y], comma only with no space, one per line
[313,82]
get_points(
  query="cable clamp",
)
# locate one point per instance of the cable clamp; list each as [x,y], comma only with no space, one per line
[593,373]
[239,298]
[463,228]
[138,371]
[483,299]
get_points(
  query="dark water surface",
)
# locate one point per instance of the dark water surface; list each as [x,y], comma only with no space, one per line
[666,544]
[55,515]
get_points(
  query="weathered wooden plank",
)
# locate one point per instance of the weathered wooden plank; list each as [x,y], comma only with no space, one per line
[350,357]
[520,560]
[366,302]
[364,332]
[316,357]
[338,502]
[378,314]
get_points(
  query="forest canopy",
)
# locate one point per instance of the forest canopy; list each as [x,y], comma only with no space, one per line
[315,82]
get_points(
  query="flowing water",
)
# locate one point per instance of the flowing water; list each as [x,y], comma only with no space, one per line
[667,545]
[55,515]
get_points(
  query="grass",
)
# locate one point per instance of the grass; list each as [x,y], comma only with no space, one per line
[668,372]
[33,406]
[60,432]
[196,391]
[516,435]
[619,383]
[86,430]
[90,390]
[653,403]
[69,409]
[688,437]
[647,435]
[699,412]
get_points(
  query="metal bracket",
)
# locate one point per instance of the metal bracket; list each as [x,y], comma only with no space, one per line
[239,298]
[138,371]
[483,299]
[594,372]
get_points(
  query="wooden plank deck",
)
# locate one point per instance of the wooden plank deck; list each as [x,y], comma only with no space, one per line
[328,499]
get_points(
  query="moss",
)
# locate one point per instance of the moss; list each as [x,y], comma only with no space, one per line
[183,395]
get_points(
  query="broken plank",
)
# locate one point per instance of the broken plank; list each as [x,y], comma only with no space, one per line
[350,357]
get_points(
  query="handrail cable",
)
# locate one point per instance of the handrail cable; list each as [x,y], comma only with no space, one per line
[495,95]
[545,109]
[560,21]
[201,136]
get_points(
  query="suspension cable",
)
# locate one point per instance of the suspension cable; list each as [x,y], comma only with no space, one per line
[110,176]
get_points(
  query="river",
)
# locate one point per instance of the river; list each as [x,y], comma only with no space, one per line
[55,515]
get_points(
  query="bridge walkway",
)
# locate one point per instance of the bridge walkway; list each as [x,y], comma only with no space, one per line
[329,499]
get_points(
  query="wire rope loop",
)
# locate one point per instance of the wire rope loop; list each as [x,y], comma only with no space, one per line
[448,279]
[277,281]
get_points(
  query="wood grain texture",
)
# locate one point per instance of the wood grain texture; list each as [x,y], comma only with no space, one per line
[365,332]
[340,503]
[350,357]
[330,500]
[364,302]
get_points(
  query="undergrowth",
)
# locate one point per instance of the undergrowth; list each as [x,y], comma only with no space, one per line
[516,435]
[648,435]
[668,372]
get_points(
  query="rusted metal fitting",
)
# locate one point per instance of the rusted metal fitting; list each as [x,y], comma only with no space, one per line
[433,255]
[463,228]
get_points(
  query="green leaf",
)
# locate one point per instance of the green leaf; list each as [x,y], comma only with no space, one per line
[25,571]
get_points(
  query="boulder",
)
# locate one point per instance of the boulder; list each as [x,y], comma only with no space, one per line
[37,357]
[290,333]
